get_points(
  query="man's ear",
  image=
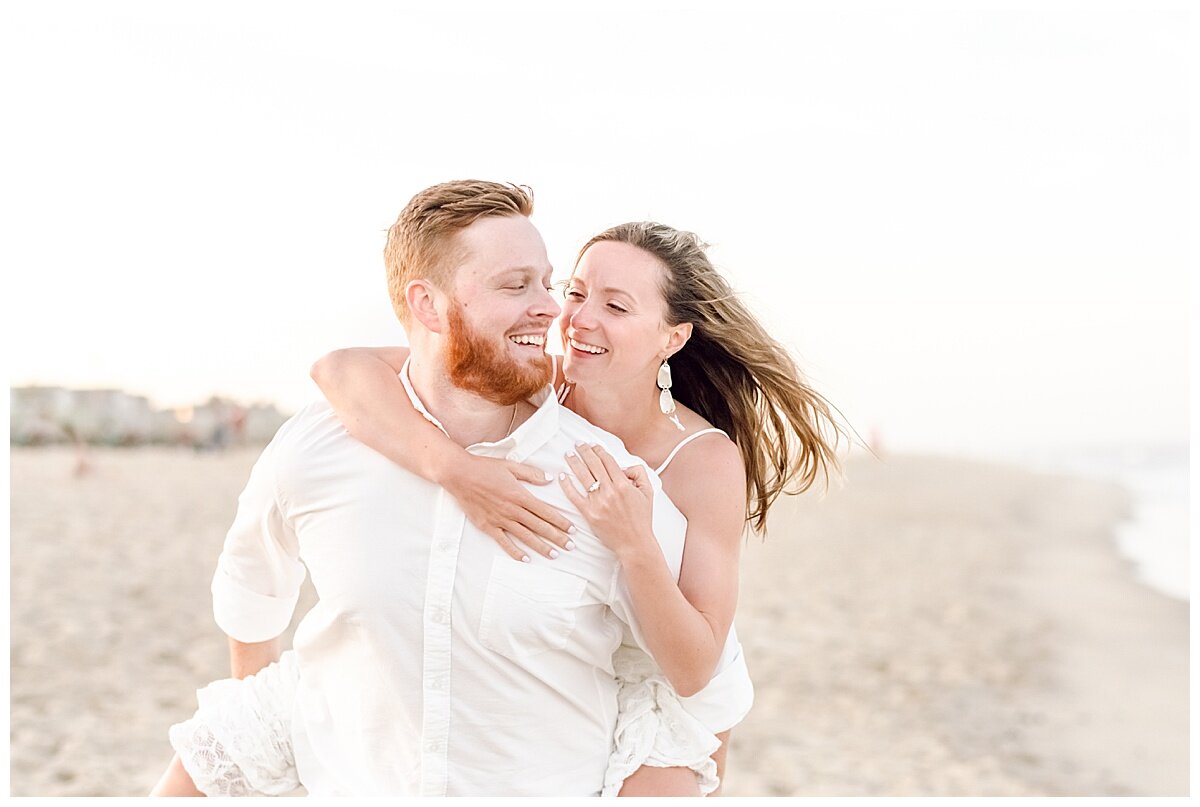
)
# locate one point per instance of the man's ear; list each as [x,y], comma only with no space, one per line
[680,334]
[421,296]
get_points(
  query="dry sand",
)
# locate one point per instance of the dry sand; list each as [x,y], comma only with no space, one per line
[933,628]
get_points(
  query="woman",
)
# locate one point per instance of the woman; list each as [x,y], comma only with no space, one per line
[660,353]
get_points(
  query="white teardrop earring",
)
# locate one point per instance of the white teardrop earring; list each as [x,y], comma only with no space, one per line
[665,402]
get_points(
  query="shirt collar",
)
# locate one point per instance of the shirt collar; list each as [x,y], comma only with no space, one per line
[527,438]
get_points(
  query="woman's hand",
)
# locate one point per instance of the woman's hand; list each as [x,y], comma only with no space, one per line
[490,493]
[617,502]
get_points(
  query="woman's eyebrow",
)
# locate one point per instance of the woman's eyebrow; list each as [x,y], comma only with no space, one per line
[606,290]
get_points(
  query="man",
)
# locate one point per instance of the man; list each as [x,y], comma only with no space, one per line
[434,664]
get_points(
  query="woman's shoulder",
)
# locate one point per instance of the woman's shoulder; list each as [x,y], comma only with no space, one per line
[706,463]
[709,454]
[707,483]
[704,438]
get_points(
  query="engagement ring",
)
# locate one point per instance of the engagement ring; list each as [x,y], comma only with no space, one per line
[595,486]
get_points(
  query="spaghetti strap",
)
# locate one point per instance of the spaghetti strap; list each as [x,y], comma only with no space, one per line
[562,392]
[683,443]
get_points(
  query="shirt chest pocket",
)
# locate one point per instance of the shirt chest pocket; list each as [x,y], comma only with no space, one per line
[528,610]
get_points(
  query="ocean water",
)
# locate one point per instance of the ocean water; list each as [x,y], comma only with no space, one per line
[1156,535]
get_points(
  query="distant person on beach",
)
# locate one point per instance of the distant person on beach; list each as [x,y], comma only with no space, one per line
[539,701]
[83,465]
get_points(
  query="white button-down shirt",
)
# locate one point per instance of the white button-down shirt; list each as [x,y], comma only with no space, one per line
[433,663]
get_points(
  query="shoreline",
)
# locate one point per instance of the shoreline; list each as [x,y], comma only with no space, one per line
[1153,534]
[1160,562]
[935,627]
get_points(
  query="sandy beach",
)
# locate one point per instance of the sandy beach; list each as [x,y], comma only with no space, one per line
[933,627]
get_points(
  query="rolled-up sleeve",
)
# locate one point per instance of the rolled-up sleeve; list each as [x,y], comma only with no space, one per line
[726,699]
[259,573]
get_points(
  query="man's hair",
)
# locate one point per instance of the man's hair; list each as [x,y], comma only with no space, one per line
[422,244]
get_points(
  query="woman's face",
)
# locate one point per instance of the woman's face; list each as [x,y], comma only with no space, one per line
[613,326]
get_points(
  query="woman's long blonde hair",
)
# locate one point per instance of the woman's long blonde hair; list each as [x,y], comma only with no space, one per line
[735,374]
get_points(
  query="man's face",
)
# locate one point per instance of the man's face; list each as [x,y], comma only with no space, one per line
[500,311]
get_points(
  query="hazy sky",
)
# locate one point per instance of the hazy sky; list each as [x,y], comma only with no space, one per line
[968,220]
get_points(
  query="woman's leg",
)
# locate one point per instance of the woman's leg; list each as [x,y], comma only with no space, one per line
[175,782]
[651,781]
[719,758]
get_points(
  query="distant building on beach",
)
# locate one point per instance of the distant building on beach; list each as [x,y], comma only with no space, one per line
[43,415]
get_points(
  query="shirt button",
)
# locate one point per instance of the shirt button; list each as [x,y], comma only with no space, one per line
[439,616]
[437,684]
[511,456]
[433,745]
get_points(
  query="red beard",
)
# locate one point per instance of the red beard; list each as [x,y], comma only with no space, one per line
[477,365]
